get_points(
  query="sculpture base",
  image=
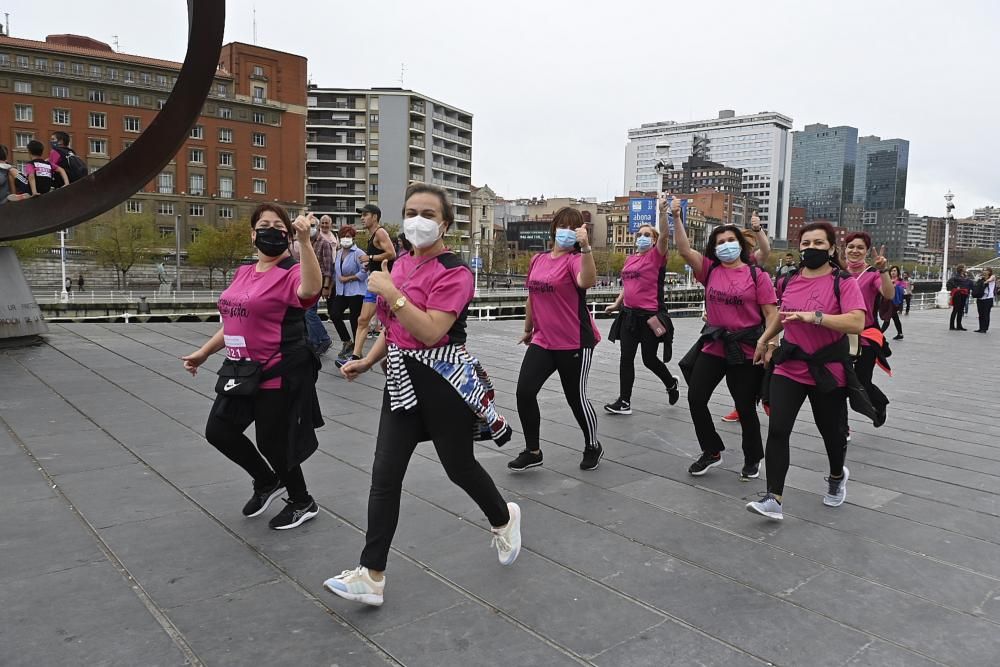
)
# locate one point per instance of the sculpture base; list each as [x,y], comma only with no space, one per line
[21,320]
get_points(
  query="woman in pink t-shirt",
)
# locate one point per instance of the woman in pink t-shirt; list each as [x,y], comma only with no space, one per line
[560,334]
[431,387]
[889,306]
[263,320]
[739,302]
[819,306]
[643,276]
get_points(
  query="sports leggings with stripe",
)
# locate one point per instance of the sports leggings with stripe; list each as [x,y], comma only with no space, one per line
[573,367]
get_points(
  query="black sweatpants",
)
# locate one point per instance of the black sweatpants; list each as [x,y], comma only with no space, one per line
[894,320]
[335,308]
[630,342]
[985,307]
[573,367]
[864,367]
[828,408]
[906,299]
[443,417]
[958,304]
[269,413]
[743,381]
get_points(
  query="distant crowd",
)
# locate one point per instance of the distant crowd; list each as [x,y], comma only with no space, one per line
[41,173]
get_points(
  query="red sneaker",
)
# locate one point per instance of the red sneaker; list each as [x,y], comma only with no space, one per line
[733,416]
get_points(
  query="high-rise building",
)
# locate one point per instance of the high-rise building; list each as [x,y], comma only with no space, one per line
[367,145]
[889,228]
[880,176]
[246,148]
[757,144]
[697,173]
[987,213]
[823,168]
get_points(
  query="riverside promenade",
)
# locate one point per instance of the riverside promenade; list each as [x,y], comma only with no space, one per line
[122,541]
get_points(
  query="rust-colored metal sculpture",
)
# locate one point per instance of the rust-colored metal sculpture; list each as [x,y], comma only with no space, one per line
[153,149]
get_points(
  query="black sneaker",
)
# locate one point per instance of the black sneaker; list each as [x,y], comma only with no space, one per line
[898,337]
[339,363]
[261,499]
[674,393]
[880,417]
[704,462]
[323,347]
[591,457]
[525,460]
[750,471]
[294,514]
[346,348]
[619,407]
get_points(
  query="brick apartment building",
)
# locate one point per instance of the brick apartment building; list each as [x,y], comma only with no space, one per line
[247,147]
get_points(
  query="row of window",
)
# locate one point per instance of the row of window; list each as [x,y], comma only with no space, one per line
[223,212]
[196,185]
[96,72]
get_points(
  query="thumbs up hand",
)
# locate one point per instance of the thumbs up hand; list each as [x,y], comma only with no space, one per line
[380,282]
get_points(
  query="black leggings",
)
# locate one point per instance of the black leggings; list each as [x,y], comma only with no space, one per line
[864,366]
[894,320]
[269,413]
[958,303]
[335,310]
[631,341]
[906,299]
[573,366]
[743,381]
[828,409]
[985,307]
[443,417]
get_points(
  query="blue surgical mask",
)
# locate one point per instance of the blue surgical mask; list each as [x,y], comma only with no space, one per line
[643,243]
[565,238]
[728,251]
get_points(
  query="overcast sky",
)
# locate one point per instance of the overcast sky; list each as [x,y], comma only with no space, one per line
[554,85]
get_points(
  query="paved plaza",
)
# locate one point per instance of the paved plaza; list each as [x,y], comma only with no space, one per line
[122,540]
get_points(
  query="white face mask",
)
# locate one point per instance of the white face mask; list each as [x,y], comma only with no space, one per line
[421,232]
[346,242]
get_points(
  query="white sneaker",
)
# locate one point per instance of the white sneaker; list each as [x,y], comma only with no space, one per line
[507,540]
[767,506]
[836,492]
[357,585]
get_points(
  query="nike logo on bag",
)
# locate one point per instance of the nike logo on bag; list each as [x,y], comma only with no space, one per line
[232,384]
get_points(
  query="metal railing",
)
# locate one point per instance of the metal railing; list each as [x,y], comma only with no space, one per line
[457,138]
[447,151]
[454,121]
[452,168]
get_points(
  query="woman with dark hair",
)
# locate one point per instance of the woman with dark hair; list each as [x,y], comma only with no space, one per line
[643,276]
[875,285]
[350,282]
[434,390]
[819,306]
[960,285]
[739,303]
[890,311]
[560,334]
[263,320]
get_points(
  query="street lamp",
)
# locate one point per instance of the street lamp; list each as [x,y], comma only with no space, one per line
[663,165]
[942,296]
[64,295]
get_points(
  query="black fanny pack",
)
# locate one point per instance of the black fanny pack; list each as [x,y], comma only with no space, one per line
[242,377]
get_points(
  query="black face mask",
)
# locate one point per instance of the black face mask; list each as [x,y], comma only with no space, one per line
[271,241]
[814,258]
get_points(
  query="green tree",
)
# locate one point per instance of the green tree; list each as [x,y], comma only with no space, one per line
[123,240]
[30,248]
[976,256]
[220,249]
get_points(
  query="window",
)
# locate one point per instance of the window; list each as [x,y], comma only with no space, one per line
[21,140]
[129,76]
[24,112]
[198,132]
[60,91]
[145,78]
[258,117]
[95,95]
[22,62]
[133,206]
[259,162]
[258,70]
[226,187]
[225,112]
[373,118]
[77,69]
[160,103]
[225,135]
[98,146]
[165,183]
[95,72]
[260,186]
[225,159]
[98,120]
[258,93]
[195,232]
[130,100]
[196,155]
[222,89]
[4,60]
[197,182]
[133,124]
[226,213]
[165,208]
[196,210]
[22,87]
[166,232]
[112,74]
[41,64]
[161,80]
[259,139]
[59,66]
[60,117]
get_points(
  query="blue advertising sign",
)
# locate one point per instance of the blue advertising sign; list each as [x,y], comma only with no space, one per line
[641,212]
[476,263]
[998,248]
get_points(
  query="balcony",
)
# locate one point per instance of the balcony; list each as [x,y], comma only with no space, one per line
[454,185]
[452,168]
[352,159]
[418,108]
[461,218]
[453,153]
[416,160]
[417,143]
[335,193]
[418,127]
[334,174]
[459,201]
[331,122]
[458,139]
[338,141]
[454,121]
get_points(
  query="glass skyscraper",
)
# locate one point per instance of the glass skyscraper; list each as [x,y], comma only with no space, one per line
[880,182]
[823,170]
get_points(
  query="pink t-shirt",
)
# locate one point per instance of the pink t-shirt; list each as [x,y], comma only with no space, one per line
[254,309]
[733,301]
[870,284]
[558,305]
[642,279]
[441,282]
[809,295]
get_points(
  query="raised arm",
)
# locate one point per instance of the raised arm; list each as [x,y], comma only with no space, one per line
[587,277]
[763,250]
[681,241]
[886,288]
[663,242]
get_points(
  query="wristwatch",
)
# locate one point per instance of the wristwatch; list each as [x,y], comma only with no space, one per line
[398,303]
[586,250]
[819,318]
